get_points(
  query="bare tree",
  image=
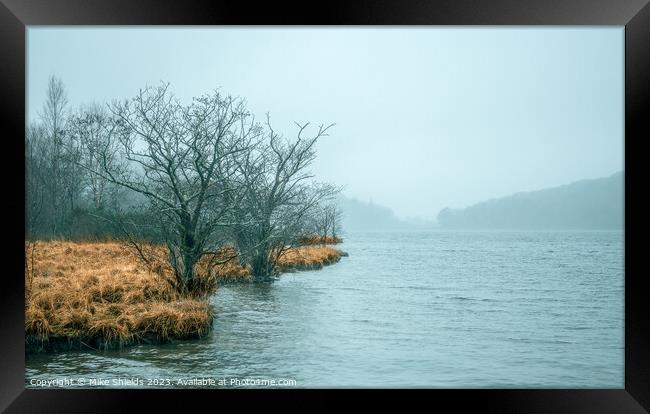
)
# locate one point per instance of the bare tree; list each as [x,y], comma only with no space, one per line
[90,131]
[337,221]
[62,177]
[329,220]
[194,176]
[179,157]
[278,197]
[53,118]
[35,180]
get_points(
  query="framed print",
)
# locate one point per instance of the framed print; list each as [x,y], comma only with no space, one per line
[222,199]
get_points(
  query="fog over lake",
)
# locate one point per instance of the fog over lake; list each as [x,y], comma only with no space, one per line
[426,118]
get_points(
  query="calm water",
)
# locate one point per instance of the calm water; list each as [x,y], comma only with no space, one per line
[425,309]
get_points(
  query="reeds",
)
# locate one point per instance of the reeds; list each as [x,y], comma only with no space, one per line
[101,295]
[308,257]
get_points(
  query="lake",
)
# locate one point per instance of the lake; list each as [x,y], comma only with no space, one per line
[451,309]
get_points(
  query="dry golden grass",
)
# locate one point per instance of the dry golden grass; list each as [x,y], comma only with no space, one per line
[103,294]
[314,239]
[295,258]
[308,257]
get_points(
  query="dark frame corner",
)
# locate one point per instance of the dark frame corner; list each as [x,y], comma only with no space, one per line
[15,15]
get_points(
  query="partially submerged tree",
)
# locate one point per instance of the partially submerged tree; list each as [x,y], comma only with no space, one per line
[194,176]
[278,198]
[180,158]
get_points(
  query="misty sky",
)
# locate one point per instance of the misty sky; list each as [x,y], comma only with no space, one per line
[425,117]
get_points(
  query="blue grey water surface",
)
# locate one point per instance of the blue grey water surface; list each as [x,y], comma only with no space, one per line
[452,309]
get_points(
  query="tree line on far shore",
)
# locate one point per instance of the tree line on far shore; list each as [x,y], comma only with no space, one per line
[194,177]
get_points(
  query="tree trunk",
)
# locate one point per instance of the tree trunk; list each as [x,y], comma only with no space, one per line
[183,258]
[261,265]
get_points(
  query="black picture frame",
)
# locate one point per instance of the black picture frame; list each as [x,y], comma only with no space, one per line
[15,15]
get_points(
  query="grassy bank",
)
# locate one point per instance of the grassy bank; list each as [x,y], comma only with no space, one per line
[105,294]
[308,257]
[314,240]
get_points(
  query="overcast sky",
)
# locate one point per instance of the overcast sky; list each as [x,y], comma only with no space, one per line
[425,117]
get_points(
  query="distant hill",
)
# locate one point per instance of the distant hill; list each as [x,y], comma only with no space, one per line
[586,204]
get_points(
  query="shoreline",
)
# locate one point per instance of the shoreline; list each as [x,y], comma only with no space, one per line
[101,295]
